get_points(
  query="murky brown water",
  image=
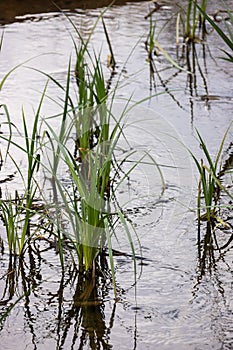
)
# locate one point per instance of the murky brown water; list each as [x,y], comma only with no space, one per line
[12,10]
[177,306]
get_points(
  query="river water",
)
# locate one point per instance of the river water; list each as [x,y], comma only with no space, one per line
[176,304]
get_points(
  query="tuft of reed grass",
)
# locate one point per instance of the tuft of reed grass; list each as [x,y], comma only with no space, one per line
[86,204]
[91,175]
[10,211]
[80,147]
[17,212]
[194,21]
[209,184]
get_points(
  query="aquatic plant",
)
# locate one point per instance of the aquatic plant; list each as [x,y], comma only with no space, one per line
[150,41]
[86,203]
[10,212]
[209,184]
[89,170]
[151,50]
[193,20]
[17,212]
[75,151]
[226,37]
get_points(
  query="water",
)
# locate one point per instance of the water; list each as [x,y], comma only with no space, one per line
[177,304]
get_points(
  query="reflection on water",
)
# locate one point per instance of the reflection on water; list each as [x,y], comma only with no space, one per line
[13,10]
[69,308]
[184,295]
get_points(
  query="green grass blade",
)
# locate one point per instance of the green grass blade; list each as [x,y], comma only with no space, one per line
[113,61]
[217,28]
[222,144]
[230,57]
[10,128]
[169,58]
[206,152]
[218,182]
[1,40]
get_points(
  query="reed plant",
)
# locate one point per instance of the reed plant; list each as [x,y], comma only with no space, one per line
[77,151]
[85,204]
[17,211]
[10,212]
[150,41]
[82,208]
[198,21]
[226,36]
[210,185]
[191,20]
[89,170]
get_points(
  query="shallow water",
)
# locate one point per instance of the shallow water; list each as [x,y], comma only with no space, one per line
[176,304]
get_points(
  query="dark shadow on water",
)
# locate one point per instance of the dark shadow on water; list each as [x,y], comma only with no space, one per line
[9,10]
[211,252]
[85,317]
[75,307]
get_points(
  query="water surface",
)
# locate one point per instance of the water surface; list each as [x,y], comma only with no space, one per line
[176,304]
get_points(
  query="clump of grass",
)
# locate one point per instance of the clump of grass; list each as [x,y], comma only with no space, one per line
[81,148]
[10,212]
[210,185]
[193,20]
[17,212]
[85,205]
[89,169]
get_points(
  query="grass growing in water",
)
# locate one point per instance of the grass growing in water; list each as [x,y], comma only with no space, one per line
[90,164]
[83,211]
[226,37]
[210,185]
[192,20]
[18,228]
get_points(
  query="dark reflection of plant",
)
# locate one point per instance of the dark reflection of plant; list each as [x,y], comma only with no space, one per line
[22,277]
[210,254]
[190,59]
[83,313]
[10,282]
[211,285]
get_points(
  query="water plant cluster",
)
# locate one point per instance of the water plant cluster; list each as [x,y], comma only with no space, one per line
[193,25]
[71,155]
